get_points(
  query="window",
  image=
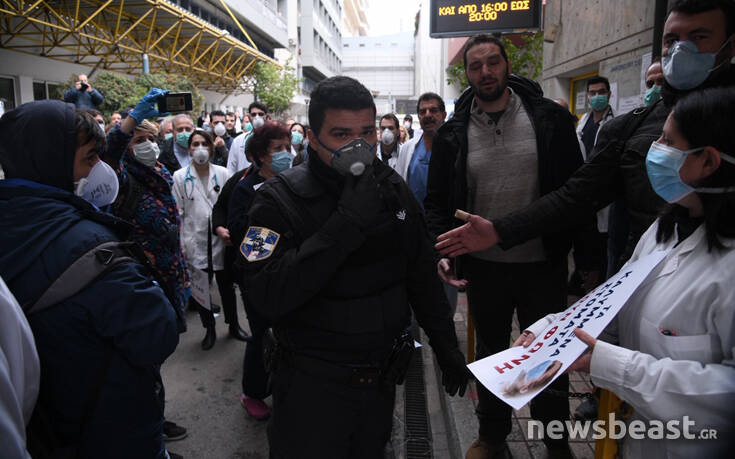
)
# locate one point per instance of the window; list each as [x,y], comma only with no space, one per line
[7,93]
[39,91]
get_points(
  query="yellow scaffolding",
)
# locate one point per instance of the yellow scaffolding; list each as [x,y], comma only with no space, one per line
[114,34]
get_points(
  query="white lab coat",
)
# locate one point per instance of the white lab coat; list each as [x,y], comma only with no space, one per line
[405,154]
[692,373]
[393,160]
[603,215]
[195,207]
[236,159]
[20,375]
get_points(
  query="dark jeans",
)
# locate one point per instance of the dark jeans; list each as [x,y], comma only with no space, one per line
[494,291]
[254,377]
[229,303]
[315,418]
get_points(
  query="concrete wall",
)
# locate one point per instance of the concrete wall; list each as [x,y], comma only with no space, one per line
[597,36]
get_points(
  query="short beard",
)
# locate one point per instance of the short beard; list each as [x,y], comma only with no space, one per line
[491,96]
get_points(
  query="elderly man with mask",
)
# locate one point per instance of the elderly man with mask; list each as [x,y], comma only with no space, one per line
[101,342]
[175,151]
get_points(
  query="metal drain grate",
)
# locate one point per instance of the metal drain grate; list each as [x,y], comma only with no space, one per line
[418,433]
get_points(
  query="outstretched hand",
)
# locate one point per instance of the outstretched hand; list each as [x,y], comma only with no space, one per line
[475,235]
[146,107]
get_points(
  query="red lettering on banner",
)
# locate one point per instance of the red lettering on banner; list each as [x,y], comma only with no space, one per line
[551,332]
[518,361]
[506,366]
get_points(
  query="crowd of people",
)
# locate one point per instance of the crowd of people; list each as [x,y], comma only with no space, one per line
[341,234]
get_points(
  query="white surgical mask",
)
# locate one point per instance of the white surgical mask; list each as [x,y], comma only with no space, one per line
[100,187]
[102,127]
[387,137]
[219,129]
[146,152]
[407,124]
[200,155]
[258,121]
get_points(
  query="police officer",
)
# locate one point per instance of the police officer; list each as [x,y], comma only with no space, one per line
[337,249]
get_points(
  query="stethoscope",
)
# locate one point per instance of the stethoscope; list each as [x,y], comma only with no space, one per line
[189,179]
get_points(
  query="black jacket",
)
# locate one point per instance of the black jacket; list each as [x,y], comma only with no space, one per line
[167,157]
[337,292]
[558,157]
[610,174]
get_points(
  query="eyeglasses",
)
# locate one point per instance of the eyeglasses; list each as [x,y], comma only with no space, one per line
[432,110]
[597,92]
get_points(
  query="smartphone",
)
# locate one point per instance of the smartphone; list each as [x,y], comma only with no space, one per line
[175,102]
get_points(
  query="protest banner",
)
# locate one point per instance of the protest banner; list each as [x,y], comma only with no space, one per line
[518,374]
[200,287]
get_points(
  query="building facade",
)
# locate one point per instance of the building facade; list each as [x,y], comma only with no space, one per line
[585,38]
[354,18]
[384,64]
[200,31]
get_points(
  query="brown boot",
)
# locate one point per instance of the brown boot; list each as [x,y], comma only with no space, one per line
[481,449]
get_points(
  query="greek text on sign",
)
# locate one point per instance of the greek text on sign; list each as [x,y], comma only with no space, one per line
[518,374]
[466,17]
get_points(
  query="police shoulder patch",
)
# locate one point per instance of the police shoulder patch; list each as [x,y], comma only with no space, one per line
[259,243]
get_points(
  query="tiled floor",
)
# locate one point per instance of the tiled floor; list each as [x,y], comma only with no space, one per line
[518,441]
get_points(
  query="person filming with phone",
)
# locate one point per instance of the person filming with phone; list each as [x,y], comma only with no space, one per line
[82,95]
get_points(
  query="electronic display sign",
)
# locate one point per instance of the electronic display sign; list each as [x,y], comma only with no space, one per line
[462,18]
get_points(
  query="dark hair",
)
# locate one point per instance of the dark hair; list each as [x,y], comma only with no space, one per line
[598,79]
[94,112]
[702,6]
[290,128]
[408,117]
[430,96]
[258,104]
[392,117]
[207,138]
[339,92]
[261,139]
[217,113]
[87,130]
[232,114]
[704,118]
[479,40]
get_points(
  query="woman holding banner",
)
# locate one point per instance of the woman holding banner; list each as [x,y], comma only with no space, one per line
[669,352]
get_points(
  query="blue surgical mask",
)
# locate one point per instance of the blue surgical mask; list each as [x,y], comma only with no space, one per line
[663,163]
[685,67]
[169,135]
[281,161]
[296,138]
[182,138]
[599,102]
[652,95]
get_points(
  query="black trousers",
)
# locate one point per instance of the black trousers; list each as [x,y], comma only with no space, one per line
[494,291]
[229,303]
[254,377]
[316,418]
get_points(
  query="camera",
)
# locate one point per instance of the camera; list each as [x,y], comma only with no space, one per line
[175,102]
[83,87]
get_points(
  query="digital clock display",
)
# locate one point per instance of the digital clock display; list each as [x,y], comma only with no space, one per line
[461,18]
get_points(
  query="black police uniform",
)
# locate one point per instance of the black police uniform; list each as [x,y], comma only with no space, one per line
[338,297]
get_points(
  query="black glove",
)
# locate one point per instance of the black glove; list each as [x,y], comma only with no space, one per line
[455,374]
[361,200]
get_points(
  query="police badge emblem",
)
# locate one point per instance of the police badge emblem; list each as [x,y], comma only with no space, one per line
[259,243]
